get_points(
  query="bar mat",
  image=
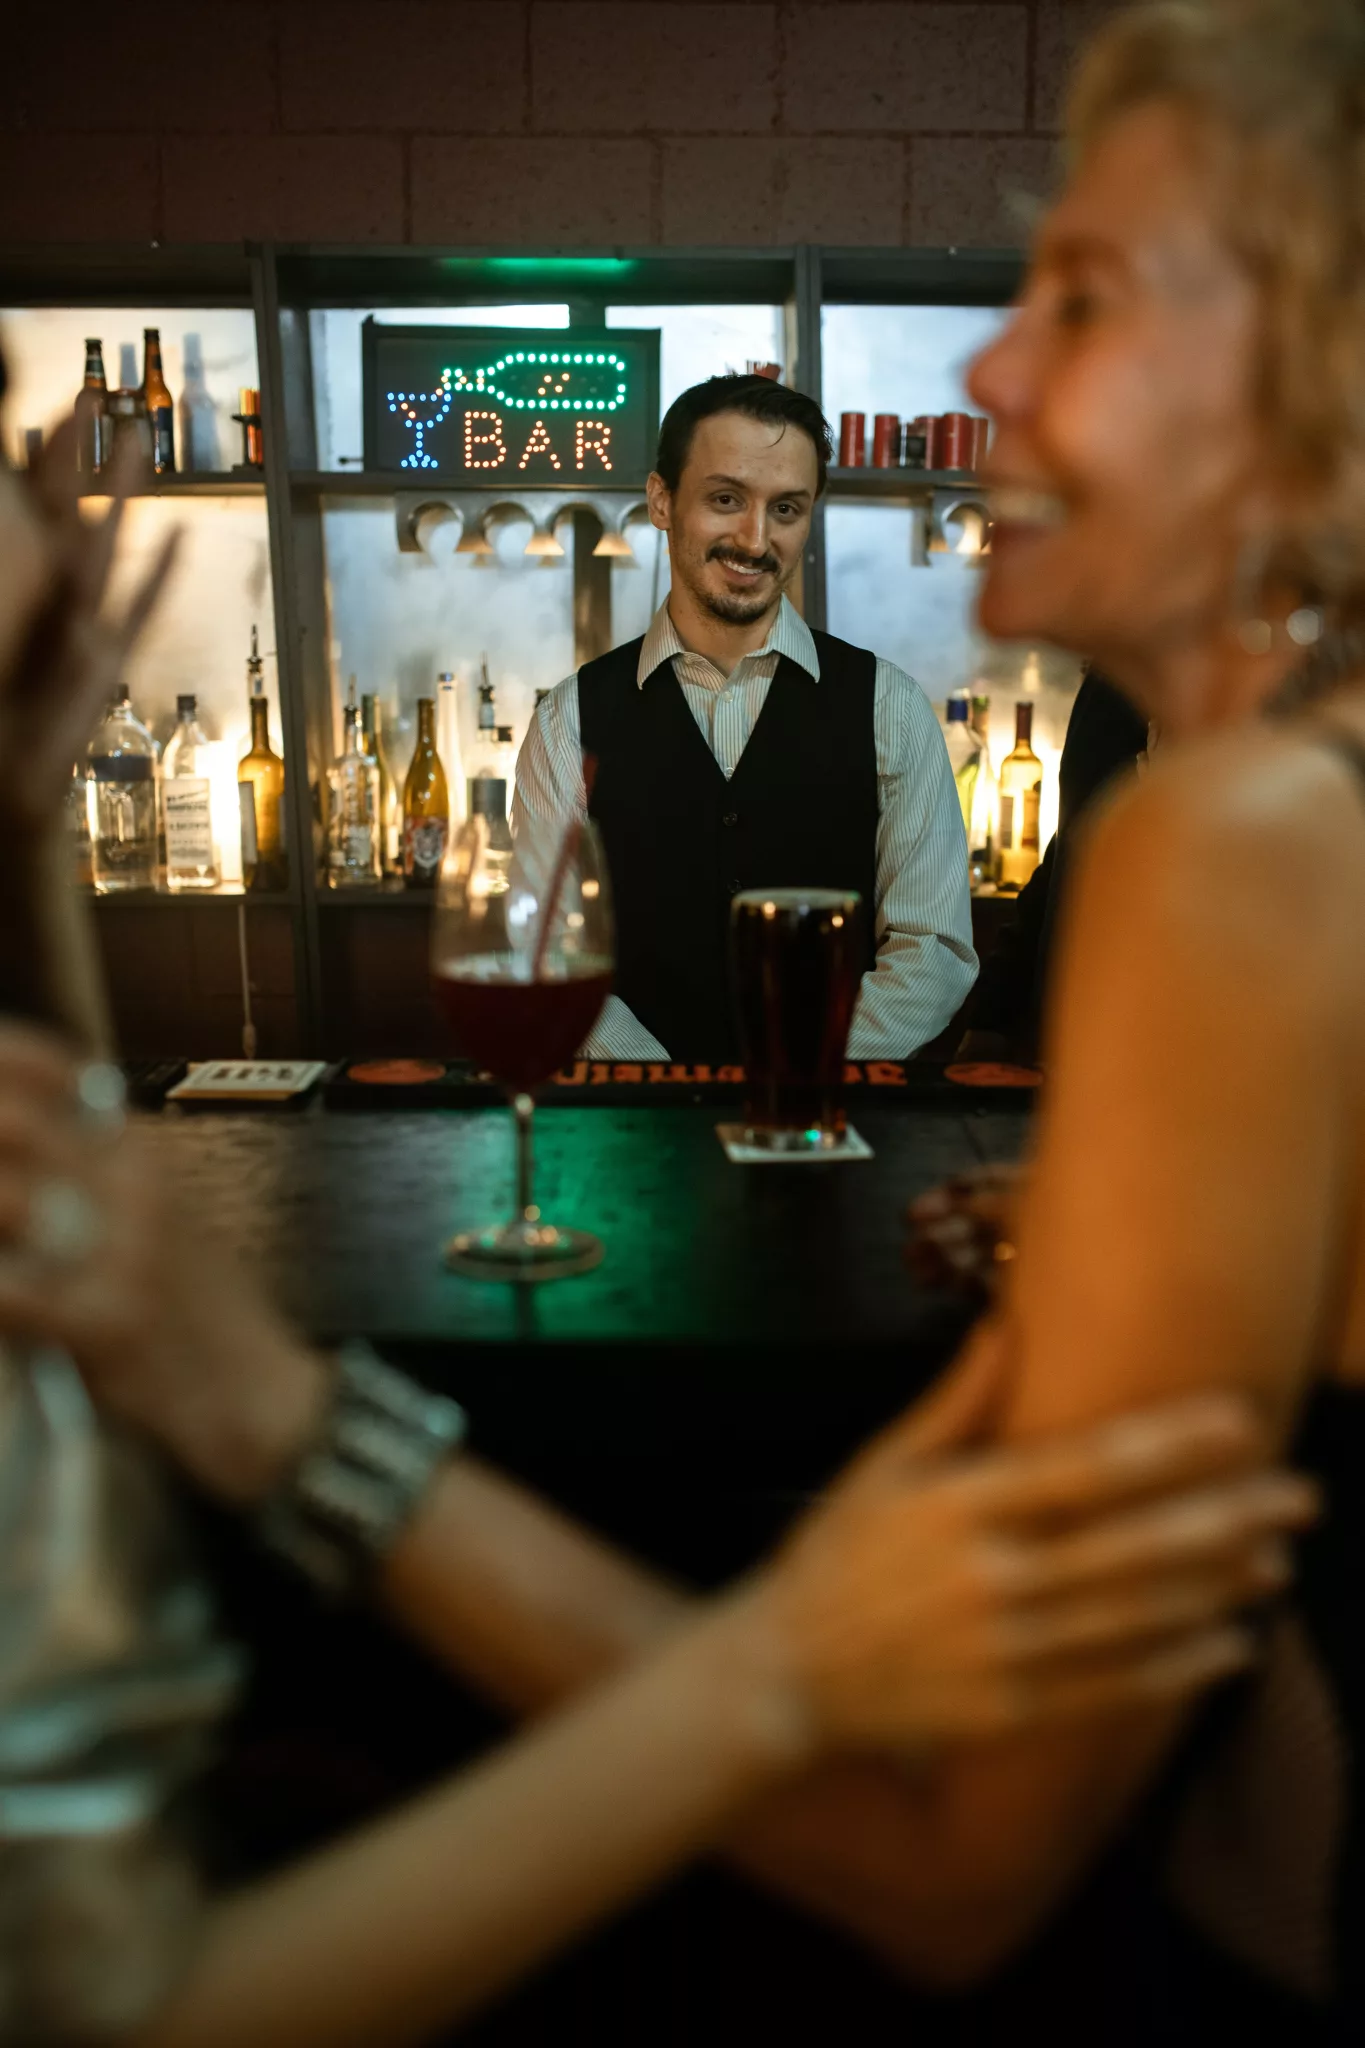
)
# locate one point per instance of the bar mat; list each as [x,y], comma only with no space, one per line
[454,1084]
[732,1138]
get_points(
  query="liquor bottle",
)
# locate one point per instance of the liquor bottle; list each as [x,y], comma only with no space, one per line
[92,407]
[187,805]
[964,752]
[122,760]
[260,791]
[491,781]
[160,411]
[448,744]
[983,833]
[1021,789]
[353,809]
[426,805]
[390,820]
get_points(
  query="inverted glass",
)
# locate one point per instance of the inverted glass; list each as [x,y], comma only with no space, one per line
[797,958]
[521,961]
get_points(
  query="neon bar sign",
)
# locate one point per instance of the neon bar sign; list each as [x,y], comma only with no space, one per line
[487,406]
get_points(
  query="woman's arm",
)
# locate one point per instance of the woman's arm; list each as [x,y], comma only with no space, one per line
[408,1925]
[1181,1226]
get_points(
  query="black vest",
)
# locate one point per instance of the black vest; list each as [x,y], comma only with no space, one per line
[800,811]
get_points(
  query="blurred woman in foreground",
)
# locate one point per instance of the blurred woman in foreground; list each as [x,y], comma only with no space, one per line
[933,1597]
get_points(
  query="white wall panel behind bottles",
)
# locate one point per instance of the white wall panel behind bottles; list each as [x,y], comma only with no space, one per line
[696,342]
[397,620]
[922,619]
[901,359]
[207,353]
[200,637]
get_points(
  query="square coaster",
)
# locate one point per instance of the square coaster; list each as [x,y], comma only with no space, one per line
[732,1138]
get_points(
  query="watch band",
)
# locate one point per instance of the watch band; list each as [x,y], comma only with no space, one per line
[345,1504]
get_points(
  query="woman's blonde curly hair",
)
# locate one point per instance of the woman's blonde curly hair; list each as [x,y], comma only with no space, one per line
[1277,88]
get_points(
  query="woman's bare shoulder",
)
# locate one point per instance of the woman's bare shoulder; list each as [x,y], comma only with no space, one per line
[1264,818]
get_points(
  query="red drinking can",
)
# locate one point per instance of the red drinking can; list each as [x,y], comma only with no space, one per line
[959,440]
[886,440]
[852,440]
[932,430]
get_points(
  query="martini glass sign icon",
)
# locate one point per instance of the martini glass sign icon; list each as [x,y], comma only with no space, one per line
[524,380]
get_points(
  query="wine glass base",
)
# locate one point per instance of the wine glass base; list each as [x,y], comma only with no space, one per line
[524,1253]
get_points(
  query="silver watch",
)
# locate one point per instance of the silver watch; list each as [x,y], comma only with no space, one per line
[345,1504]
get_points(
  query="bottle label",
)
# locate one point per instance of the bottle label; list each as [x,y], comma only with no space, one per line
[487,797]
[161,420]
[1028,838]
[246,804]
[1006,823]
[122,767]
[189,822]
[359,846]
[424,846]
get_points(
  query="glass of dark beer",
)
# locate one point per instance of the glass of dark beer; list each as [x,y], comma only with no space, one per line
[797,957]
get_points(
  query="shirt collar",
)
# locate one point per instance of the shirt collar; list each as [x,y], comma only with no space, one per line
[790,635]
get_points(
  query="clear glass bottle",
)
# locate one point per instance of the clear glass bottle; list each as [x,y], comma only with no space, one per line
[1021,791]
[964,752]
[390,810]
[187,804]
[448,744]
[983,834]
[78,806]
[92,409]
[122,763]
[353,810]
[260,791]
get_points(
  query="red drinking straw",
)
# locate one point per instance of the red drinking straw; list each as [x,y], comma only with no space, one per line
[573,833]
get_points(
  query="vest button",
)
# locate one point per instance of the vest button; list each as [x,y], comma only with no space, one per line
[733,888]
[730,818]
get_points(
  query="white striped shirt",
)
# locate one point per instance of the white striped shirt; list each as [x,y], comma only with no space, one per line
[923,918]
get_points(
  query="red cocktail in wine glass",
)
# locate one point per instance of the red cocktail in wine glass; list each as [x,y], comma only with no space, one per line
[521,958]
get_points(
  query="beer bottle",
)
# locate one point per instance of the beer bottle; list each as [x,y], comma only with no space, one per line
[92,403]
[160,411]
[426,805]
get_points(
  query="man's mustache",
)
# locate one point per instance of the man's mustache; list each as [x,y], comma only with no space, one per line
[724,551]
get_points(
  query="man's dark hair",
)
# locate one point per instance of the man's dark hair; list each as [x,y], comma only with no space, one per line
[758,398]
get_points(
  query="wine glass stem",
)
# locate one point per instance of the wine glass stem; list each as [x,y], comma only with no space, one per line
[523,1108]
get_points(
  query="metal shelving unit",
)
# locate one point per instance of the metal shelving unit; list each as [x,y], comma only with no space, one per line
[283,284]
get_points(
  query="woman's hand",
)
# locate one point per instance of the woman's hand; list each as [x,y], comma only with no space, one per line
[168,1330]
[962,1234]
[61,649]
[941,1594]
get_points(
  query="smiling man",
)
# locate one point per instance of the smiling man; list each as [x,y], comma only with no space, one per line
[737,749]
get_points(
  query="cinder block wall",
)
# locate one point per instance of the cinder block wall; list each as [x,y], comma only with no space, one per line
[571,122]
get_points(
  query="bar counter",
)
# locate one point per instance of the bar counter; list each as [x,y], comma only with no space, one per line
[748,1328]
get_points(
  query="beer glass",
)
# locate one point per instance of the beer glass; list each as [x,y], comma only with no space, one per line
[797,957]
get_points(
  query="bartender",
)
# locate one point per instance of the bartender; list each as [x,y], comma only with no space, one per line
[737,749]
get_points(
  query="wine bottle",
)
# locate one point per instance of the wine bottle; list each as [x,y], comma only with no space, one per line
[426,805]
[964,752]
[983,833]
[1021,790]
[260,791]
